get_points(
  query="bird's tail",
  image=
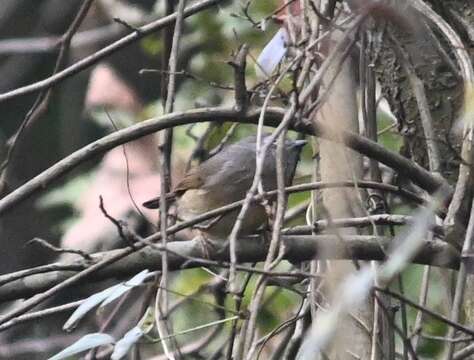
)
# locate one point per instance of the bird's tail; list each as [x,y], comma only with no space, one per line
[155,202]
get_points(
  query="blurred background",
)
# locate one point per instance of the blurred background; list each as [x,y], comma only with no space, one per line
[123,90]
[118,92]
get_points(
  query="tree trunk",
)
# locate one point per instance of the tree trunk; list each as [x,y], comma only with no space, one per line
[340,111]
[432,58]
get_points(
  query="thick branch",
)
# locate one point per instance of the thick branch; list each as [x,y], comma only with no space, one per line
[122,253]
[298,248]
[273,117]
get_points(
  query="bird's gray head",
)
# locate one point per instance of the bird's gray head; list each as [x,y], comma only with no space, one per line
[293,150]
[248,145]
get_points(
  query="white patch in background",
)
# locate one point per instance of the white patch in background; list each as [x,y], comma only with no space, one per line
[271,55]
[384,108]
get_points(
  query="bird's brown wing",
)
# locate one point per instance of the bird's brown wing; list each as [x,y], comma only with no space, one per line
[190,181]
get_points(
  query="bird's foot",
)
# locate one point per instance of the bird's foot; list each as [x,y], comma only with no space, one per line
[207,246]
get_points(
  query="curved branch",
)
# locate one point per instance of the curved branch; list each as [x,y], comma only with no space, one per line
[273,116]
[106,51]
[464,182]
[8,278]
[80,276]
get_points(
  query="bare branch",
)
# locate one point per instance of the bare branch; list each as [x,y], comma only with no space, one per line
[298,248]
[239,63]
[273,117]
[107,51]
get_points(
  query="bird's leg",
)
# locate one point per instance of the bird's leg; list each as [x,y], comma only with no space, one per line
[266,231]
[206,244]
[208,225]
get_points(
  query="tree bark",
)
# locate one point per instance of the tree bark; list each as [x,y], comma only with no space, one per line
[340,111]
[432,57]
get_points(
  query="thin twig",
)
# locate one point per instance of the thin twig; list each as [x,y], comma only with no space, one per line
[166,143]
[406,342]
[273,117]
[467,74]
[460,283]
[427,311]
[59,250]
[423,107]
[378,219]
[464,353]
[239,64]
[7,278]
[238,298]
[250,346]
[422,298]
[41,314]
[297,248]
[106,51]
[124,232]
[255,185]
[42,100]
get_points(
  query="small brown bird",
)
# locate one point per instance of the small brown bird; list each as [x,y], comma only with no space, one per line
[225,178]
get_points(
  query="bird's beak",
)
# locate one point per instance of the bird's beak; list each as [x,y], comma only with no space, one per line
[299,143]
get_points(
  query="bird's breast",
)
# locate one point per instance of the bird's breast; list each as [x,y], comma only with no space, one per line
[194,202]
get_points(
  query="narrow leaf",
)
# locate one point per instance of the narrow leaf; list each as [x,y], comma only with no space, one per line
[124,344]
[121,289]
[85,343]
[90,303]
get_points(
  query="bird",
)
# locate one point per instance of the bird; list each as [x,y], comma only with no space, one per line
[226,177]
